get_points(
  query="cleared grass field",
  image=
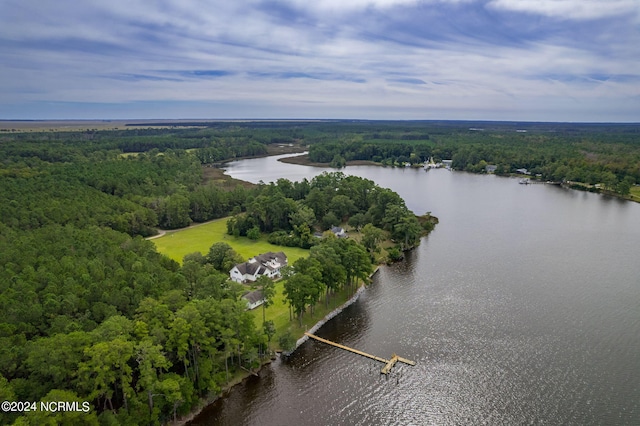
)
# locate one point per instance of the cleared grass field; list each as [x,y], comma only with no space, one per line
[176,244]
[279,314]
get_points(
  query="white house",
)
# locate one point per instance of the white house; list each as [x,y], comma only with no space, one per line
[268,264]
[338,231]
[254,299]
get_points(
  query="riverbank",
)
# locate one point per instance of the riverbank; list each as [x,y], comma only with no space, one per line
[303,160]
[241,377]
[634,194]
[215,172]
[204,403]
[332,314]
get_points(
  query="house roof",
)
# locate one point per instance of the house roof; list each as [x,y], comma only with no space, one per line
[254,296]
[261,263]
[249,268]
[339,232]
[279,257]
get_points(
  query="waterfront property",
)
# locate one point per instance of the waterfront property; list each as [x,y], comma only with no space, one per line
[268,264]
[470,307]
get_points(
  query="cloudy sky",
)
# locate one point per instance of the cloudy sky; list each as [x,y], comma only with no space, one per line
[534,60]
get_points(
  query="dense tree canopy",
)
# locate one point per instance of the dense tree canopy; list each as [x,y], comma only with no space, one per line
[89,311]
[589,153]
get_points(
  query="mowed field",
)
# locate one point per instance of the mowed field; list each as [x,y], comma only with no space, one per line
[176,244]
[279,313]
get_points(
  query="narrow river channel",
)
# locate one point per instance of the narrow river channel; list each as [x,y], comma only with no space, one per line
[522,307]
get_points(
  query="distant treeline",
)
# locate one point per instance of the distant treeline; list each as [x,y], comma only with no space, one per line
[605,154]
[230,137]
[89,178]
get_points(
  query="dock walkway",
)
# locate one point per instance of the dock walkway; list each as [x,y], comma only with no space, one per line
[389,363]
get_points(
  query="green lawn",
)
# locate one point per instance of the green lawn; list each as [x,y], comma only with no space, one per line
[176,244]
[635,193]
[279,314]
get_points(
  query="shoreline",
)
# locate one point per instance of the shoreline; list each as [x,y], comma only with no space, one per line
[300,160]
[330,316]
[204,404]
[303,160]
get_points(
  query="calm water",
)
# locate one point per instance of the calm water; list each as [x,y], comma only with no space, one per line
[522,307]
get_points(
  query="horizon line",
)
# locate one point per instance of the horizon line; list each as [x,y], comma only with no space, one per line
[156,120]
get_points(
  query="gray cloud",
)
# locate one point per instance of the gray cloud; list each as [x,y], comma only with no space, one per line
[571,9]
[361,59]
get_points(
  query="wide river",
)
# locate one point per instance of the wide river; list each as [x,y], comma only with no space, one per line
[522,307]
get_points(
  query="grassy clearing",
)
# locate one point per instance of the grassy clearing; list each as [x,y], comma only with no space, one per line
[635,193]
[176,244]
[279,314]
[130,154]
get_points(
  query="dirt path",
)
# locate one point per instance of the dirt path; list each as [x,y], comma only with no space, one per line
[163,232]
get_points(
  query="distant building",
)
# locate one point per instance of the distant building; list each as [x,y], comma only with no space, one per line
[490,168]
[335,230]
[430,164]
[268,264]
[523,171]
[254,299]
[338,232]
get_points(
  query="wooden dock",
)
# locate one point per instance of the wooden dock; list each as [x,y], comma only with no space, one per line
[387,368]
[389,363]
